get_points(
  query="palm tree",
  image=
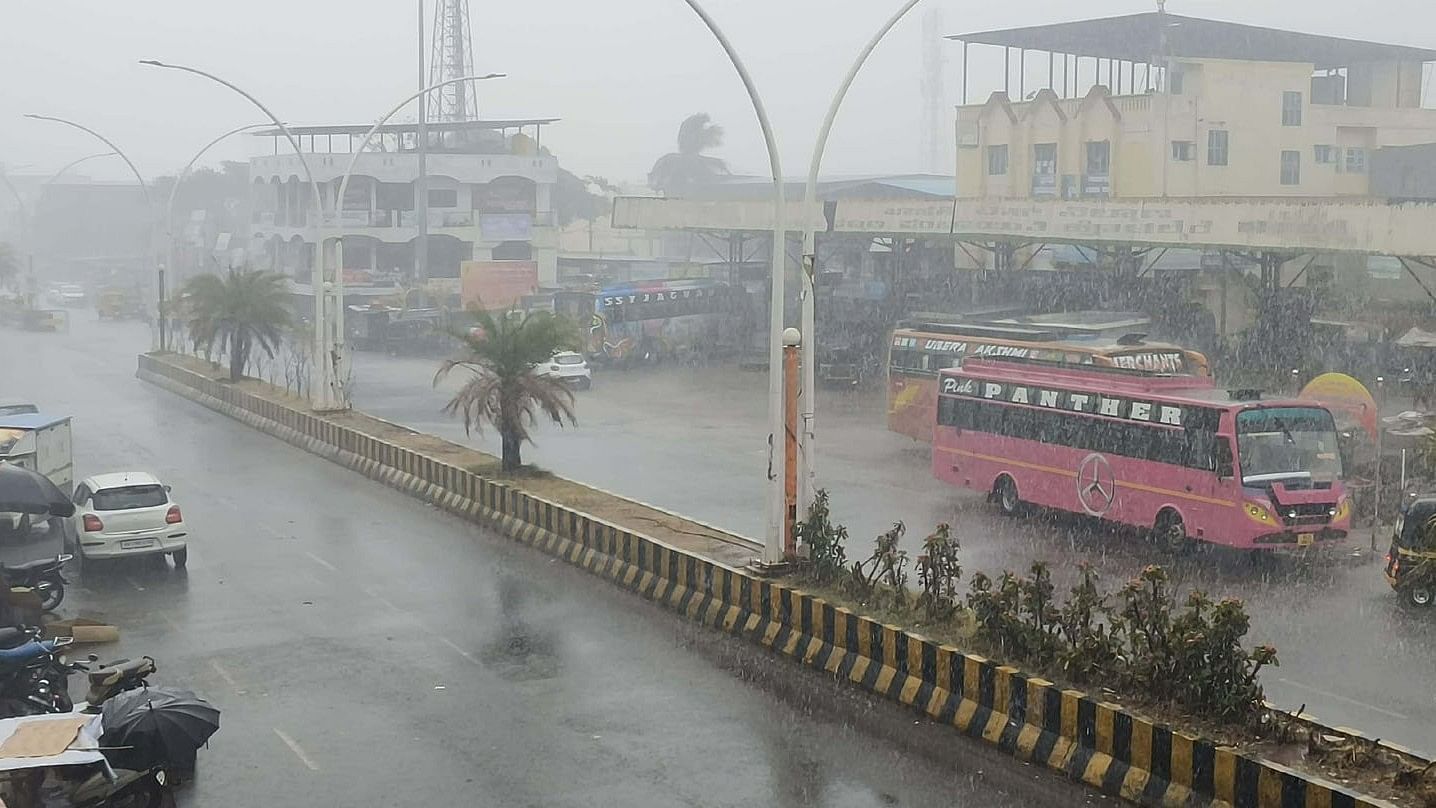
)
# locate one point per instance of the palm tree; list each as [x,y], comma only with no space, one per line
[9,264]
[236,312]
[677,172]
[504,391]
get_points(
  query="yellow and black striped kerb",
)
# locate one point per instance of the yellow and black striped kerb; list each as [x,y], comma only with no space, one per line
[1103,745]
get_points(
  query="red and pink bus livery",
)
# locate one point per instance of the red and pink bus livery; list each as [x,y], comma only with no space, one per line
[1172,454]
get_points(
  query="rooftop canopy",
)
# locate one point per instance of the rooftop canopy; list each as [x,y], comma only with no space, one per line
[410,126]
[1137,38]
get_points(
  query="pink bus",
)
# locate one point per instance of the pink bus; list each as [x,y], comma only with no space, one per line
[1167,453]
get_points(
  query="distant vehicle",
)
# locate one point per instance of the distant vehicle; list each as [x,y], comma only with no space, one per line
[12,407]
[647,321]
[1167,453]
[129,513]
[569,367]
[45,320]
[1411,561]
[119,304]
[40,443]
[920,350]
[70,294]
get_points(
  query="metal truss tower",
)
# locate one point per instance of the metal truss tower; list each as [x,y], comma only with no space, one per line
[451,55]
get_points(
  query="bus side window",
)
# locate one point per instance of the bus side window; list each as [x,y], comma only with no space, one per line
[1225,468]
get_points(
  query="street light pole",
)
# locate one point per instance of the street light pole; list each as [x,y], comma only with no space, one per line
[324,392]
[174,190]
[149,203]
[422,95]
[807,459]
[421,188]
[773,539]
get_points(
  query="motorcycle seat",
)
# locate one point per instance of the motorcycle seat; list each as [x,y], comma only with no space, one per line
[12,636]
[28,565]
[122,668]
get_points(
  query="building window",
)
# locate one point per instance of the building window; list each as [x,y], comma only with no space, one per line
[1291,109]
[1184,151]
[1044,158]
[1174,84]
[997,160]
[1355,160]
[1291,168]
[1099,157]
[1327,155]
[1216,147]
[443,198]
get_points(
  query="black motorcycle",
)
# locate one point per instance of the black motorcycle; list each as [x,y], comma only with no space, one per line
[114,678]
[34,677]
[45,576]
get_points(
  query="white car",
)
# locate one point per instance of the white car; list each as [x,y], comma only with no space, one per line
[128,513]
[569,367]
[70,294]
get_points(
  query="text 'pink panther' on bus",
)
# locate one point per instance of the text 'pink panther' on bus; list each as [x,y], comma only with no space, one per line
[1070,400]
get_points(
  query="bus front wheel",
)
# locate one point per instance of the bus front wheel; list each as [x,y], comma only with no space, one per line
[1171,532]
[1005,492]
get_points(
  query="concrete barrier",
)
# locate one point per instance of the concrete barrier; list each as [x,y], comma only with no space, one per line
[1100,744]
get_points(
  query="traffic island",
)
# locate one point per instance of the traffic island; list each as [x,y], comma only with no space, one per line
[696,569]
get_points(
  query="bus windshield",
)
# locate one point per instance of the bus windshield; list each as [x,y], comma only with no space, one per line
[1288,442]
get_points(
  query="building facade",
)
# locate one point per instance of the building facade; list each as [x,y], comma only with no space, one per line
[1156,105]
[489,198]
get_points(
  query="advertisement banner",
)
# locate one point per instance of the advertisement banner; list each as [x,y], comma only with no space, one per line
[496,285]
[506,227]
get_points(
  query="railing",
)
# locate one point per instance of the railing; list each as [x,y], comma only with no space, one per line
[1044,184]
[1097,184]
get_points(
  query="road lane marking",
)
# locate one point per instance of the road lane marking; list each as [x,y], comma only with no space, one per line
[461,652]
[298,752]
[224,674]
[383,600]
[134,583]
[1327,693]
[321,562]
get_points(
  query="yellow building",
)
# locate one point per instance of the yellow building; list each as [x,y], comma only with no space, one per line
[1159,105]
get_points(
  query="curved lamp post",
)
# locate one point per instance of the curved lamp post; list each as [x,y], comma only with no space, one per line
[180,177]
[149,203]
[325,392]
[807,460]
[777,518]
[344,187]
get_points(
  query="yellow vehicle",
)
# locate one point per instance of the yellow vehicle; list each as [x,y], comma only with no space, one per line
[47,320]
[118,304]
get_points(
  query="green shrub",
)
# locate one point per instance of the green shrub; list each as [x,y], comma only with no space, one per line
[938,571]
[886,566]
[825,541]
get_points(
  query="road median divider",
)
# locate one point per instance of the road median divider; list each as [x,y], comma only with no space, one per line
[697,571]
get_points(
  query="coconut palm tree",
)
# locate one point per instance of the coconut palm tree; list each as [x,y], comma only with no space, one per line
[677,172]
[504,390]
[237,312]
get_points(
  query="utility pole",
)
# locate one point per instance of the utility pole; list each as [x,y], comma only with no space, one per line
[421,186]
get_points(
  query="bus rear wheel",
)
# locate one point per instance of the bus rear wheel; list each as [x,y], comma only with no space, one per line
[1005,493]
[1171,533]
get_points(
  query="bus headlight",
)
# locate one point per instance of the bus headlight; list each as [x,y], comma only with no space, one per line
[1259,513]
[1342,510]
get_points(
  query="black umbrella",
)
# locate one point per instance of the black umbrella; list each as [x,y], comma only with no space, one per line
[156,726]
[25,491]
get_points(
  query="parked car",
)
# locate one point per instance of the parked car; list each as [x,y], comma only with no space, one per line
[570,367]
[128,513]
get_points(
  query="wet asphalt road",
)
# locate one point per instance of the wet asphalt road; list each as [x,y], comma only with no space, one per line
[369,650]
[694,440]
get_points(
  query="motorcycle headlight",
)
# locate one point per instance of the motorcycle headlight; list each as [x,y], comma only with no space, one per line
[1259,513]
[1343,509]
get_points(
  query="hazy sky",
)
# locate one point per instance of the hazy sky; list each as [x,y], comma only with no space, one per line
[621,74]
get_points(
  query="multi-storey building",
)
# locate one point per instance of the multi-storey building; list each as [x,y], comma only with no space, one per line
[489,198]
[1159,105]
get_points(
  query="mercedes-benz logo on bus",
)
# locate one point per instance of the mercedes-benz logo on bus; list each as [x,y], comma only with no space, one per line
[1096,485]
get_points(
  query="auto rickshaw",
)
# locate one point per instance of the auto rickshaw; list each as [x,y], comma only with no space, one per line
[1411,562]
[111,304]
[47,320]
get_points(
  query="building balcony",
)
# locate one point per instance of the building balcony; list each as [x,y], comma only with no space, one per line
[1044,185]
[404,167]
[1097,185]
[399,226]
